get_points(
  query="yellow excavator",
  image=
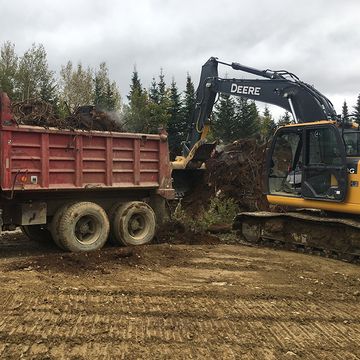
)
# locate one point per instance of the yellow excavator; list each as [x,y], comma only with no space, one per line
[311,166]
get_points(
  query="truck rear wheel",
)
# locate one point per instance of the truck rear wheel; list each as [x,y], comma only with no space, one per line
[82,226]
[55,224]
[38,233]
[133,223]
[111,213]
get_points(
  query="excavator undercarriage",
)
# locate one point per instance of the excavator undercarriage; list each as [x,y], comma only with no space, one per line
[306,231]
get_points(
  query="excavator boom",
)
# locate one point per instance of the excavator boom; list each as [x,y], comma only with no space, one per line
[280,88]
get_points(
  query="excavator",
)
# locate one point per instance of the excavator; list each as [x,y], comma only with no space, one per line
[311,167]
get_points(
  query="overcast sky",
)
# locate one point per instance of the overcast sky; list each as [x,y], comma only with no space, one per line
[318,40]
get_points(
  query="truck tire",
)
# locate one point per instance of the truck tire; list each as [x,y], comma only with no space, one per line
[55,223]
[111,212]
[133,223]
[37,233]
[81,227]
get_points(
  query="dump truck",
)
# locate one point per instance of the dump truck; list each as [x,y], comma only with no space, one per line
[79,188]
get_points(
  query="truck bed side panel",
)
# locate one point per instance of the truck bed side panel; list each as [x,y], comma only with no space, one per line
[47,159]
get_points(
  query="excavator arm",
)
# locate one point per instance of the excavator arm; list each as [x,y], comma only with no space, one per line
[279,88]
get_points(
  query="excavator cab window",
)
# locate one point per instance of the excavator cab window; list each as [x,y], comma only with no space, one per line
[309,162]
[285,164]
[352,143]
[324,170]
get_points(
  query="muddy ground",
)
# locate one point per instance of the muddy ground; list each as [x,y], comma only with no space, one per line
[170,301]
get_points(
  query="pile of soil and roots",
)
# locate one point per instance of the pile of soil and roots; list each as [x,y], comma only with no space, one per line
[236,171]
[40,113]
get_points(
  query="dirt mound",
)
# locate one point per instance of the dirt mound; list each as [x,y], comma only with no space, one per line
[174,232]
[40,113]
[236,171]
[106,259]
[77,263]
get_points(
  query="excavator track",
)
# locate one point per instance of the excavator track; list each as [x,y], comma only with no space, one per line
[337,238]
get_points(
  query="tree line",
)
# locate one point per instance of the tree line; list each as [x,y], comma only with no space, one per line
[146,108]
[29,77]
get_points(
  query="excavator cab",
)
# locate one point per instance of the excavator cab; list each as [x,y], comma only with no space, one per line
[307,161]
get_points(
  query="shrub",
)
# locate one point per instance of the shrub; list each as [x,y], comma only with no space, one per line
[221,211]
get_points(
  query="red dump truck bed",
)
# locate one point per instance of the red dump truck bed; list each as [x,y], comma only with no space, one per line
[35,158]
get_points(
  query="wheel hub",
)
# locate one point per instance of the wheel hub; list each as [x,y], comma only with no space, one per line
[136,225]
[85,229]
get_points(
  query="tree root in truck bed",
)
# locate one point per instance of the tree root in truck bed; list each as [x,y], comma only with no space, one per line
[40,113]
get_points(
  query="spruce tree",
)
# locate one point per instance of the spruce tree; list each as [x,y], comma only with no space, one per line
[267,123]
[284,119]
[159,104]
[357,110]
[345,110]
[135,86]
[106,94]
[136,115]
[154,92]
[113,97]
[247,116]
[188,103]
[177,127]
[226,125]
[161,86]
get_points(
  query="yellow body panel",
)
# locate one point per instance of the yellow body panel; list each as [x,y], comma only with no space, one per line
[350,205]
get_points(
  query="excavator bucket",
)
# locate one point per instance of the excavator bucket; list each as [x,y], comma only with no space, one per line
[188,174]
[203,152]
[186,180]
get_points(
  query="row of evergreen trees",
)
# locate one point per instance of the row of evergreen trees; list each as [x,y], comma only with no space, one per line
[158,106]
[146,109]
[355,114]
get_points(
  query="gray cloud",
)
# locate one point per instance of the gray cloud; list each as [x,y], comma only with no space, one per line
[317,40]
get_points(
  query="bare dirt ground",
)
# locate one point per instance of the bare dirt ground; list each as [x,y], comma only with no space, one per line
[169,301]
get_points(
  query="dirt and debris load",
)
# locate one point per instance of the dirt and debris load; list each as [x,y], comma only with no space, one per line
[236,171]
[40,113]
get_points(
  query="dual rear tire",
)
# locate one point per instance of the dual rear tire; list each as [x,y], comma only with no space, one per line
[132,223]
[79,227]
[85,226]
